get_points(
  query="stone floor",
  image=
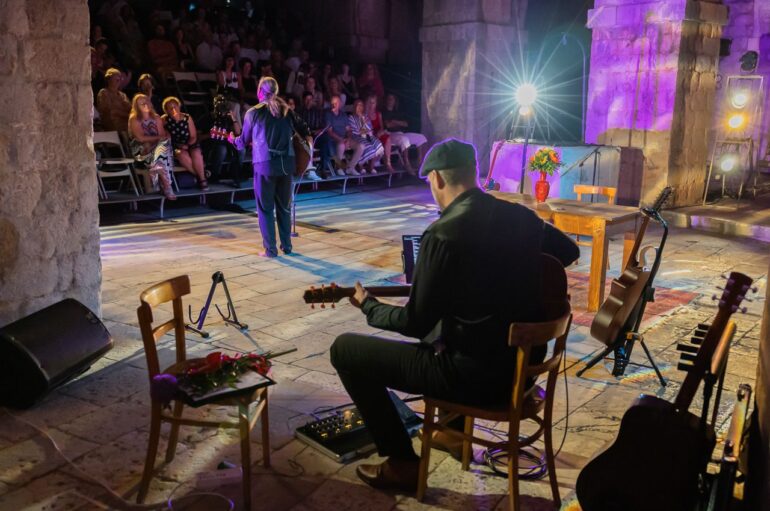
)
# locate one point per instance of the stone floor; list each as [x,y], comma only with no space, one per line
[101,420]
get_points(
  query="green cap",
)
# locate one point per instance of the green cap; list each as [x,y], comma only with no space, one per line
[449,154]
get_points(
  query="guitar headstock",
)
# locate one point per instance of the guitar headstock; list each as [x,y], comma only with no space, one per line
[736,288]
[660,201]
[330,294]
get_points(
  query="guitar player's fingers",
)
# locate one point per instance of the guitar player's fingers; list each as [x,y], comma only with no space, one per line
[360,295]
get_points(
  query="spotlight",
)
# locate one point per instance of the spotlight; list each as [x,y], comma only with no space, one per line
[740,99]
[728,162]
[526,95]
[736,121]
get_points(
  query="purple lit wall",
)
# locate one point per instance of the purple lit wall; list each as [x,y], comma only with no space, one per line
[652,86]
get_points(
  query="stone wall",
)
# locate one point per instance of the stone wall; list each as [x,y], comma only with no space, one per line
[652,86]
[465,43]
[49,236]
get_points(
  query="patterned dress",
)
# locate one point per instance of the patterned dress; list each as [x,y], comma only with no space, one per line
[179,131]
[362,132]
[159,158]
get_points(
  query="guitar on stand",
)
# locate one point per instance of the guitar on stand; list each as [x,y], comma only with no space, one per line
[662,449]
[617,322]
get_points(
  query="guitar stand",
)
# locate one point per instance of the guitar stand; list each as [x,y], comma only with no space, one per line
[196,325]
[622,361]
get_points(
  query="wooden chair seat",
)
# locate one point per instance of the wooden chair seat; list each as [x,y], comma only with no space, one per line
[534,403]
[173,290]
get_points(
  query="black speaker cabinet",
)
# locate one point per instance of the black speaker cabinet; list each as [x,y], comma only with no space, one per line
[47,348]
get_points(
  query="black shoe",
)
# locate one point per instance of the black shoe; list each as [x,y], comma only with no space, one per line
[393,474]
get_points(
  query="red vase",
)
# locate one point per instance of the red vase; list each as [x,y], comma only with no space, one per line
[542,188]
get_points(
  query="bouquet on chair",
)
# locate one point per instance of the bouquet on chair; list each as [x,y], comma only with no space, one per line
[205,379]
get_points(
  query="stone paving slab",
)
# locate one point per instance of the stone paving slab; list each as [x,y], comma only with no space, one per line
[102,418]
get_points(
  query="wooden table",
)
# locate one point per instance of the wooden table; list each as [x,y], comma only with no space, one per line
[598,220]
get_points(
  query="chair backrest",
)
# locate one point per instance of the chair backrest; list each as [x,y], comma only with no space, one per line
[206,81]
[186,82]
[171,290]
[109,138]
[605,191]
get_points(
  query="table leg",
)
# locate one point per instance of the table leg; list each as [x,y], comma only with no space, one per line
[599,248]
[628,244]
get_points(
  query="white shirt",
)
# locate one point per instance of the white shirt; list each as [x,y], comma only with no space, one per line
[208,56]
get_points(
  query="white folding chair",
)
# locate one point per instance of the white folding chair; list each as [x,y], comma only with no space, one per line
[109,166]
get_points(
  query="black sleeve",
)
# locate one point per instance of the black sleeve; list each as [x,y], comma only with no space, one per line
[427,299]
[300,126]
[559,245]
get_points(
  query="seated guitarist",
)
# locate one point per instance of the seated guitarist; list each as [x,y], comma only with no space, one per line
[477,271]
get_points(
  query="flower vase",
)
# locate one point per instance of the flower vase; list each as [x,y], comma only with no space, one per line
[542,188]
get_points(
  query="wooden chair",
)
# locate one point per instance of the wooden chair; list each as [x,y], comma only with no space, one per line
[525,404]
[605,191]
[173,290]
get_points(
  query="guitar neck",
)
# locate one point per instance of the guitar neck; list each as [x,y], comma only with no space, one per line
[633,258]
[384,291]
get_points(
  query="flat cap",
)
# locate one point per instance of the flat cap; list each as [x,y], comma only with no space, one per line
[449,154]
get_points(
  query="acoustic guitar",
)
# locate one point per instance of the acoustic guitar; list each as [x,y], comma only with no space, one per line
[627,291]
[661,448]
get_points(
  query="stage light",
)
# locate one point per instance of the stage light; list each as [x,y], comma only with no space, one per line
[728,162]
[740,99]
[525,111]
[736,121]
[526,95]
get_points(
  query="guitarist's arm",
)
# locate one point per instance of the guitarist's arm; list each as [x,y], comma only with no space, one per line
[559,245]
[427,298]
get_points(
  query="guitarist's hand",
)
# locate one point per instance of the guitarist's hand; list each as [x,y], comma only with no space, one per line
[361,295]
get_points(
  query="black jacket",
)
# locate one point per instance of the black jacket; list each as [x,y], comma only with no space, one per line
[478,270]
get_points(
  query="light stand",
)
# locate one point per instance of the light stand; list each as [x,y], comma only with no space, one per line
[528,134]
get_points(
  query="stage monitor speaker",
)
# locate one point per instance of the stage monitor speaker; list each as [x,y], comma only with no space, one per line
[46,349]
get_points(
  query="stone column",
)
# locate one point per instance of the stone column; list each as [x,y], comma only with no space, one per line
[652,86]
[49,221]
[465,43]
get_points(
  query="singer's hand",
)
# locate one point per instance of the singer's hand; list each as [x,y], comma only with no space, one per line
[361,294]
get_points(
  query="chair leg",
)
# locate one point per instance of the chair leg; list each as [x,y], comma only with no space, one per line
[427,436]
[265,433]
[152,452]
[243,421]
[513,467]
[551,462]
[467,445]
[173,436]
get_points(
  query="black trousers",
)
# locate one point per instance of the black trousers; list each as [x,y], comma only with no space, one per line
[369,365]
[273,197]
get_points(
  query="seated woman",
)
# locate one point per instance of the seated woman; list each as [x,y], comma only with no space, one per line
[150,143]
[374,117]
[229,84]
[112,104]
[184,137]
[146,86]
[397,125]
[224,122]
[248,82]
[362,133]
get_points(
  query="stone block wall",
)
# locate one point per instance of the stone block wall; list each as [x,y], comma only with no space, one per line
[49,235]
[652,86]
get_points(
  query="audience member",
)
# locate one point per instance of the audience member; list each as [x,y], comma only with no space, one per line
[184,137]
[248,83]
[334,89]
[312,87]
[313,116]
[208,55]
[225,34]
[249,49]
[370,83]
[229,84]
[146,85]
[265,49]
[278,66]
[184,51]
[113,105]
[397,125]
[348,84]
[150,143]
[162,53]
[224,122]
[339,139]
[378,128]
[362,132]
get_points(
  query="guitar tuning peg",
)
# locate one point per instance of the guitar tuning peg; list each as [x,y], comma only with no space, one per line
[714,297]
[323,305]
[743,310]
[720,288]
[748,299]
[333,306]
[754,289]
[723,276]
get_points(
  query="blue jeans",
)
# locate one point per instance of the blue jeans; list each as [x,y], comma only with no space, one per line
[218,151]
